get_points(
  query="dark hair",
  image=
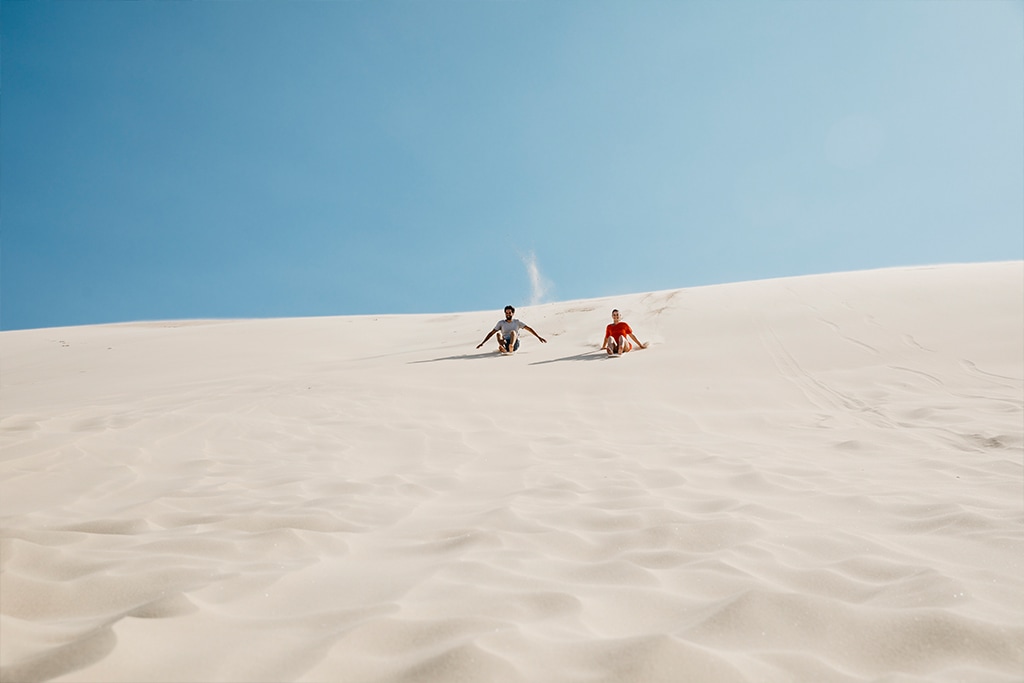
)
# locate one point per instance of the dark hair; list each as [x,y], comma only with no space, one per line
[510,307]
[615,310]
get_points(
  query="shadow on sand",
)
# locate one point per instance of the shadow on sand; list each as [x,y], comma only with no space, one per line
[586,355]
[463,356]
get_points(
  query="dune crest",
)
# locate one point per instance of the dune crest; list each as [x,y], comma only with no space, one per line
[803,479]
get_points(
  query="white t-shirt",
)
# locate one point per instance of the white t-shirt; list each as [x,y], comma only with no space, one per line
[507,327]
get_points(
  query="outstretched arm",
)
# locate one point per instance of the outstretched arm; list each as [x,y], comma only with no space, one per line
[489,335]
[530,330]
[638,342]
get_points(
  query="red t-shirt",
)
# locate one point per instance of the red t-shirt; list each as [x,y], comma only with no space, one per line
[616,330]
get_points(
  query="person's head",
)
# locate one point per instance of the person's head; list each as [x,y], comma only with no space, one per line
[615,314]
[509,311]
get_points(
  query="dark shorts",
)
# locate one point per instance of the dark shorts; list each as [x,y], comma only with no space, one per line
[626,346]
[506,339]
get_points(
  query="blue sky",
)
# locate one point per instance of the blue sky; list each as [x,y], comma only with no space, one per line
[168,160]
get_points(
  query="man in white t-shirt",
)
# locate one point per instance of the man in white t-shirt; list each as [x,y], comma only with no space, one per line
[508,339]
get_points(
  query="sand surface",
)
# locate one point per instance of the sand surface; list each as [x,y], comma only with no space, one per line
[806,479]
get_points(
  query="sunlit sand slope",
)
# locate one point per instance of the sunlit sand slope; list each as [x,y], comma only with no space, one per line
[807,479]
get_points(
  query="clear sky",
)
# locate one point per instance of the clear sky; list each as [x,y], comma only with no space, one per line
[168,160]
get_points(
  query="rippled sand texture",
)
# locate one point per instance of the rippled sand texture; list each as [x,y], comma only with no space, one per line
[807,479]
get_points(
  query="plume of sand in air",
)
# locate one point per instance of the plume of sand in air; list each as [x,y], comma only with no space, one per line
[539,285]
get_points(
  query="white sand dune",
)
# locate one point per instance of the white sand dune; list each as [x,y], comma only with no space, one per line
[805,479]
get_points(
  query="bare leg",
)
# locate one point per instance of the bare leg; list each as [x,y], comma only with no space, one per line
[510,345]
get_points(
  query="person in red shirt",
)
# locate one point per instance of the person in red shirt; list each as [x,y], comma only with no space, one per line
[615,337]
